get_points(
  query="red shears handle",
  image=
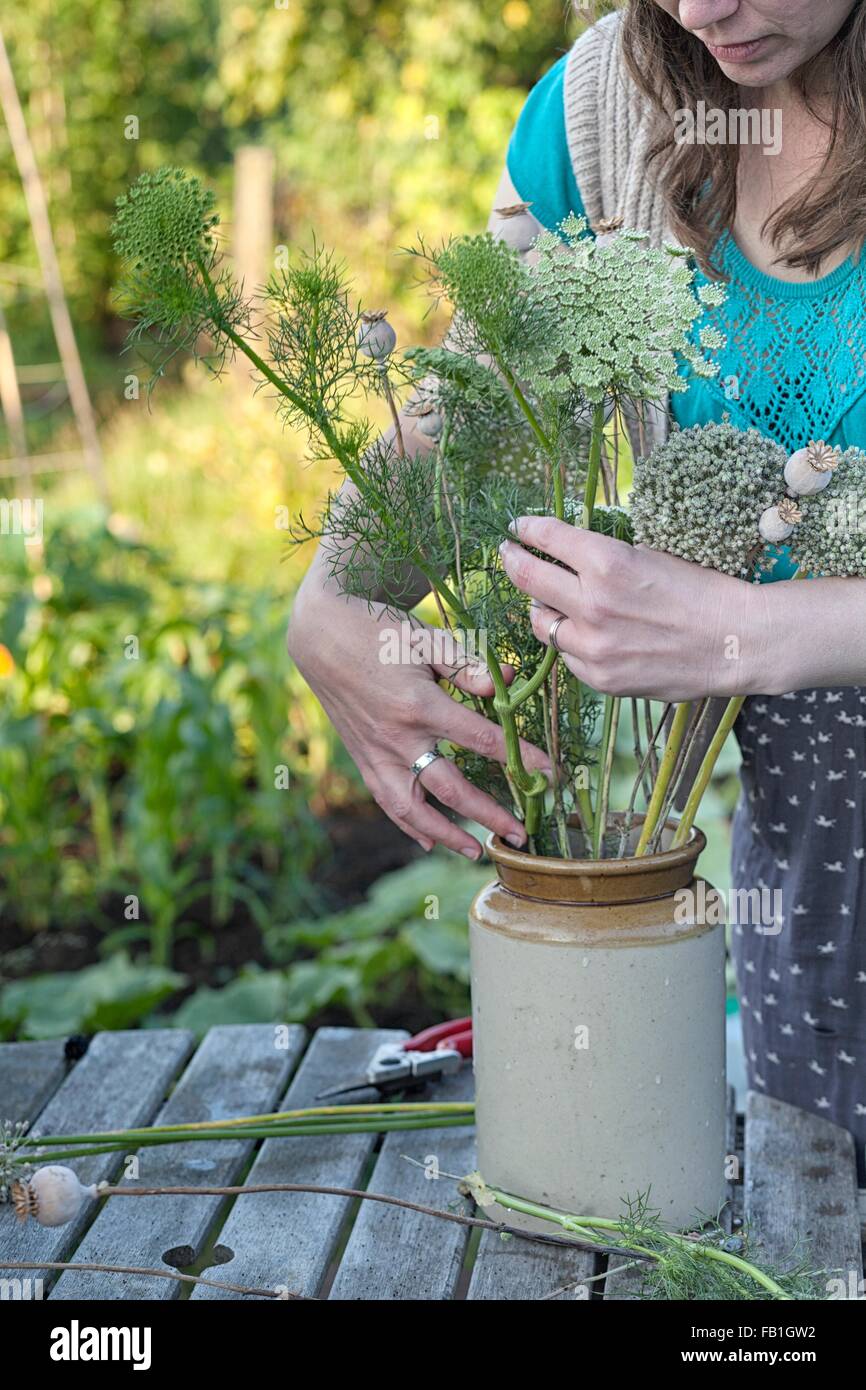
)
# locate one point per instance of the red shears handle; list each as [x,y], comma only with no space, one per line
[457,1035]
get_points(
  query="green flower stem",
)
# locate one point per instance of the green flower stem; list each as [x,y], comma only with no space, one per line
[121,1144]
[317,1112]
[682,766]
[591,488]
[438,484]
[550,715]
[711,757]
[666,767]
[705,772]
[583,1226]
[584,801]
[645,764]
[612,706]
[574,696]
[536,680]
[534,422]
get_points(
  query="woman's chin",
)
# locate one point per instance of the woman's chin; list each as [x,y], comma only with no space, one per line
[767,69]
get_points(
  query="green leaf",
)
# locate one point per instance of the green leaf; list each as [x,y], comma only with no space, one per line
[255,997]
[442,947]
[313,984]
[405,893]
[116,993]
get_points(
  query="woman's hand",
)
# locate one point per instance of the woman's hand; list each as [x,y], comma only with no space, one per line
[640,622]
[390,712]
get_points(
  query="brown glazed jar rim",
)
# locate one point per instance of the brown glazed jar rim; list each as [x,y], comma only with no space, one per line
[597,881]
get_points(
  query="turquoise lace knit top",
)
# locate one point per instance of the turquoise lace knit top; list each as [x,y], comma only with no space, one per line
[794,366]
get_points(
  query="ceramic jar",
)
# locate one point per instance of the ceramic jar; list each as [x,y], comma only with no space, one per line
[598,1005]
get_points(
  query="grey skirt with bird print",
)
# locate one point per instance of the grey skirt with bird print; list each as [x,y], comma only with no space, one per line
[800,833]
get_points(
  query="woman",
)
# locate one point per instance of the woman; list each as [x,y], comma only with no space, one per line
[784,229]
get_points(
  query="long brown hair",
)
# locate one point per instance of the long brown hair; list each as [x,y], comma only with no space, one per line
[675,71]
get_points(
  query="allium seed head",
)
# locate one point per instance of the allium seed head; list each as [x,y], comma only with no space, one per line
[701,495]
[831,538]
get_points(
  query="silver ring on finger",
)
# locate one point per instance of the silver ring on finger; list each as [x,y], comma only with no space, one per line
[554,628]
[424,761]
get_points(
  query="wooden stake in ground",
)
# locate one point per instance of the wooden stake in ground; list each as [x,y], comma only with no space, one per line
[253,228]
[61,322]
[13,410]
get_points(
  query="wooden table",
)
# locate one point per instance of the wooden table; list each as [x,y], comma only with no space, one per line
[799,1179]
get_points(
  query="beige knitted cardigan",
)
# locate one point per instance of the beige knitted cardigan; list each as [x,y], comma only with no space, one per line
[609,128]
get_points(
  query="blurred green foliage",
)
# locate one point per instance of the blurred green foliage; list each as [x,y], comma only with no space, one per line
[115,993]
[408,941]
[148,760]
[406,946]
[385,116]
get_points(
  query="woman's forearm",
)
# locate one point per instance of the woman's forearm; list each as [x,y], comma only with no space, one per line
[815,634]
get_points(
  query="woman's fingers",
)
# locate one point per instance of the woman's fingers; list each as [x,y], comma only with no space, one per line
[469,729]
[553,585]
[585,552]
[463,668]
[542,619]
[401,797]
[447,783]
[557,538]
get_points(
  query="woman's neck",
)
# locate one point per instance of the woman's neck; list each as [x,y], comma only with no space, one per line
[766,181]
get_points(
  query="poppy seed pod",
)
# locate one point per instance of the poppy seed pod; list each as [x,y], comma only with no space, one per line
[810,470]
[516,227]
[376,337]
[429,421]
[606,230]
[53,1196]
[777,523]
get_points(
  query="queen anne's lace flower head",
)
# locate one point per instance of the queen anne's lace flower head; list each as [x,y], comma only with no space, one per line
[612,318]
[701,494]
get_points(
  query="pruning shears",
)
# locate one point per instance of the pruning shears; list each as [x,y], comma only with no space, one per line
[409,1065]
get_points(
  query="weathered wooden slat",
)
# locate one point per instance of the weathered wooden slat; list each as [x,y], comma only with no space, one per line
[397,1254]
[625,1282]
[119,1083]
[509,1268]
[237,1070]
[801,1190]
[30,1073]
[287,1239]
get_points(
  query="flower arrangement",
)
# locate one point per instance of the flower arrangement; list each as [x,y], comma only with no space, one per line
[551,337]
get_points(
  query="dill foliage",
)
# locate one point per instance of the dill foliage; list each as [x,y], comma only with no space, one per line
[680,1269]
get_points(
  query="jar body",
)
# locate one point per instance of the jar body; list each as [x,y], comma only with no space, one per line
[599,1040]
